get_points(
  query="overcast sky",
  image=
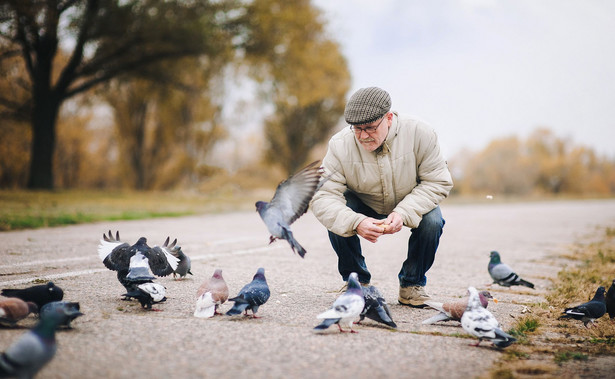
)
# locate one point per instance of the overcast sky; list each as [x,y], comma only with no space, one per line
[477,70]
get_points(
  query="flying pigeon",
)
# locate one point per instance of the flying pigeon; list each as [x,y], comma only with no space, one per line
[211,294]
[14,309]
[291,200]
[69,311]
[590,311]
[610,300]
[479,322]
[40,294]
[453,310]
[33,350]
[502,274]
[118,256]
[251,296]
[184,265]
[375,307]
[346,308]
[147,294]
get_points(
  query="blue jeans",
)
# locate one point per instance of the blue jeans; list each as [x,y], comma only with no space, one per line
[422,247]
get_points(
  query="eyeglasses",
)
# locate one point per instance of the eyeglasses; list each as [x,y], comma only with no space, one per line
[368,129]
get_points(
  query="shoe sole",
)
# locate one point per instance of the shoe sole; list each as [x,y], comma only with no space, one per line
[412,305]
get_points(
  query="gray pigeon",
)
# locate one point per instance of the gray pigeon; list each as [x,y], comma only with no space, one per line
[610,300]
[128,261]
[184,265]
[375,307]
[590,311]
[479,322]
[69,310]
[345,309]
[40,294]
[291,200]
[502,274]
[33,350]
[14,309]
[251,296]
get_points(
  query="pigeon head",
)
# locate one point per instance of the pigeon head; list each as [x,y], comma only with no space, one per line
[55,292]
[217,274]
[260,274]
[484,297]
[599,294]
[495,257]
[260,206]
[353,283]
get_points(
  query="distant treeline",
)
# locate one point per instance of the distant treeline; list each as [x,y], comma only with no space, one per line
[541,164]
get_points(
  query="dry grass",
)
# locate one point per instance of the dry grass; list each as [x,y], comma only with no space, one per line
[551,347]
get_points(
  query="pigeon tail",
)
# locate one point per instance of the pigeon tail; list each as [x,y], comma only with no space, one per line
[525,283]
[237,308]
[439,317]
[288,235]
[502,339]
[326,323]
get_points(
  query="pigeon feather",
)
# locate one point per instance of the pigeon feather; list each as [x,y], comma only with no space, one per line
[589,311]
[502,274]
[345,309]
[251,296]
[479,322]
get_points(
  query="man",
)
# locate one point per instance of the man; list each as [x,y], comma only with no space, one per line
[386,171]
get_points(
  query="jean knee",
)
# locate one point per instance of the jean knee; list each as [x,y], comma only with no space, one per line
[432,222]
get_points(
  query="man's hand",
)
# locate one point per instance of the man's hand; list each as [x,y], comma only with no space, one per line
[370,229]
[393,223]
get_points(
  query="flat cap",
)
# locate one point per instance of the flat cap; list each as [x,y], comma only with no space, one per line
[367,105]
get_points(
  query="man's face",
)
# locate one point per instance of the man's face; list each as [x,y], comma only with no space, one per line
[372,135]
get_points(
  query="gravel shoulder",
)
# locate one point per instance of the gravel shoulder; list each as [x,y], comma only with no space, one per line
[117,339]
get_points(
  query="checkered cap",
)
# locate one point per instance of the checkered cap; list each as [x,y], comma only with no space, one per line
[367,105]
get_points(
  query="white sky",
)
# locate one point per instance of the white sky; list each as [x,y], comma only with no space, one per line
[477,70]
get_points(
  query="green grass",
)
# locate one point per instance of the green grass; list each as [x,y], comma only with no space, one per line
[37,209]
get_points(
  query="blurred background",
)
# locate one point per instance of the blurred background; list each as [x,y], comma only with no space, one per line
[205,96]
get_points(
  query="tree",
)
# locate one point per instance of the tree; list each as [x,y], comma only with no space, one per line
[305,74]
[103,39]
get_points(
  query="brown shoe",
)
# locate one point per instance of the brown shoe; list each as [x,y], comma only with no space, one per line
[413,296]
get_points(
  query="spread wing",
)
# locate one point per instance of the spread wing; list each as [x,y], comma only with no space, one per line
[293,195]
[161,261]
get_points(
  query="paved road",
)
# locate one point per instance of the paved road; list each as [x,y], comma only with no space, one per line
[117,339]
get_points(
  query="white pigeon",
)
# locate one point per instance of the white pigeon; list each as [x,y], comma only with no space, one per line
[346,308]
[479,322]
[212,293]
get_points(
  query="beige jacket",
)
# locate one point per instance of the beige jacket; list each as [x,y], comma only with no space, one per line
[407,175]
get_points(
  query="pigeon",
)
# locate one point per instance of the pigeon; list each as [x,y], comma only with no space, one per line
[346,308]
[375,307]
[479,322]
[291,200]
[610,300]
[251,296]
[212,293]
[69,311]
[118,256]
[40,294]
[14,309]
[590,311]
[147,294]
[33,350]
[502,274]
[454,310]
[184,264]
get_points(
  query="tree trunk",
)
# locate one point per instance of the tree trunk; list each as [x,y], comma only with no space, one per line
[44,118]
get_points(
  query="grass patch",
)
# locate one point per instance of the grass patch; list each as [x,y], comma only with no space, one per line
[565,356]
[38,209]
[545,339]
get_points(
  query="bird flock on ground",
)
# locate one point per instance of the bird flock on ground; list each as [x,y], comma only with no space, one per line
[138,265]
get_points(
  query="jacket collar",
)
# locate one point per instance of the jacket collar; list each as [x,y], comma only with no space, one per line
[393,132]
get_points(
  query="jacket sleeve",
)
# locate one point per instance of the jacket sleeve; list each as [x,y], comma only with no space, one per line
[434,179]
[329,203]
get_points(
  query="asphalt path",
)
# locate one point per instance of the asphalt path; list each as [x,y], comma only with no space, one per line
[118,339]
